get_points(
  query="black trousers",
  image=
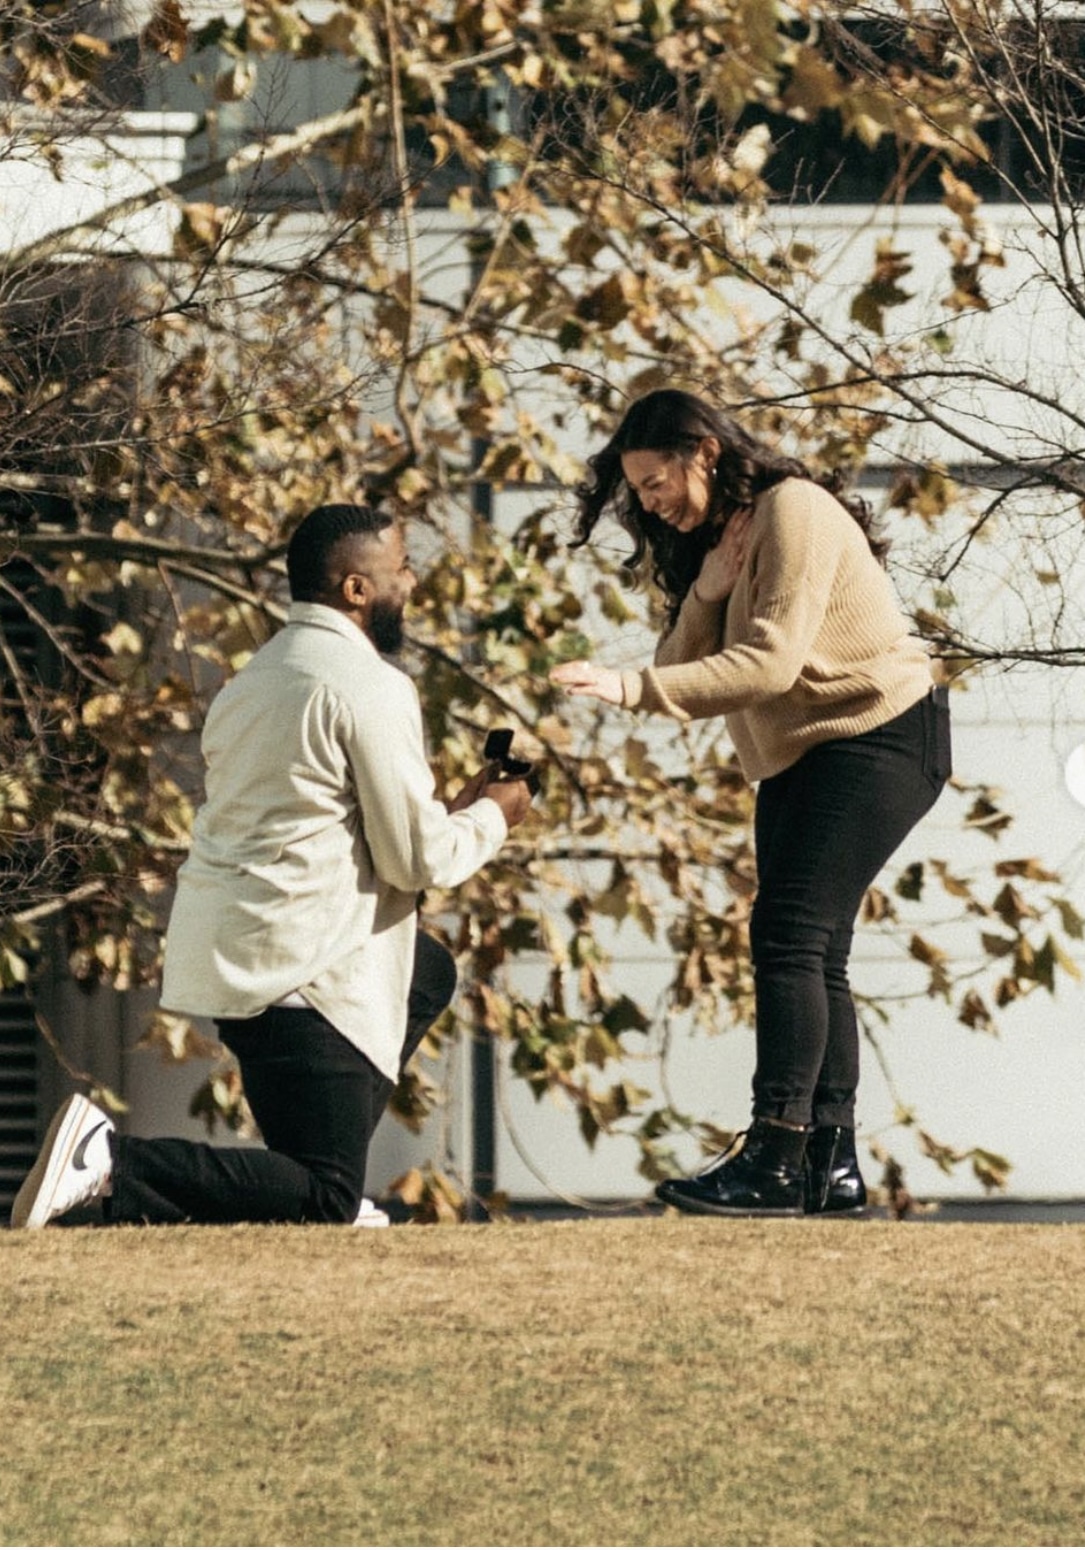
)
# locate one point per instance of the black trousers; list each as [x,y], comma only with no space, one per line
[317,1101]
[823,829]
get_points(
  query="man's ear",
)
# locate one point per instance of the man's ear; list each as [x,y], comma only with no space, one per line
[355,590]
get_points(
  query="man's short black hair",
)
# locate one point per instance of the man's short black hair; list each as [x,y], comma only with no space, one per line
[308,554]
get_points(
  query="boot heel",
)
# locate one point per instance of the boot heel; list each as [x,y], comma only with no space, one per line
[833,1183]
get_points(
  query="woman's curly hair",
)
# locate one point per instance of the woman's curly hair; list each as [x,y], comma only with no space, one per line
[674,422]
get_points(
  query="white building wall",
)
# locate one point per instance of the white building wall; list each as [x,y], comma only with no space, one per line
[1019,1094]
[89,174]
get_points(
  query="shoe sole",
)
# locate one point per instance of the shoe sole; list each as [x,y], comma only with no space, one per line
[782,1212]
[34,1201]
[854,1213]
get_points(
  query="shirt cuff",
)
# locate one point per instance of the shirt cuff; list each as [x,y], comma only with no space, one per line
[654,697]
[490,819]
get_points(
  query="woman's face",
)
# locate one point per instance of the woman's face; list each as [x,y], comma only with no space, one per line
[676,491]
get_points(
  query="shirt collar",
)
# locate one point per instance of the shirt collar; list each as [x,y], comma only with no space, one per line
[325,618]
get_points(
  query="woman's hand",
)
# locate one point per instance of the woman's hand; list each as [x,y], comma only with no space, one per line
[605,683]
[721,565]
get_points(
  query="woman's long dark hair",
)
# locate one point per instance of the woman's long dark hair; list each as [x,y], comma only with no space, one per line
[670,421]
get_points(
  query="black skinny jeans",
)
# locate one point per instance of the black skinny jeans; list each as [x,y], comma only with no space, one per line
[317,1101]
[823,830]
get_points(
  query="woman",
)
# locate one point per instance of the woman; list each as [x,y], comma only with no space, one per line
[782,620]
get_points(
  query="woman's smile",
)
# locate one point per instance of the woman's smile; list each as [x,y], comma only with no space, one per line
[678,492]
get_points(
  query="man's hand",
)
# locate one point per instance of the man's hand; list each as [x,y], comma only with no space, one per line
[605,683]
[475,788]
[513,797]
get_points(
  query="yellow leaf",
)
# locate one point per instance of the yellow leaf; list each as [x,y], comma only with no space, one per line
[866,128]
[411,484]
[90,45]
[237,83]
[123,640]
[201,229]
[13,968]
[102,708]
[813,87]
[552,940]
[959,196]
[167,32]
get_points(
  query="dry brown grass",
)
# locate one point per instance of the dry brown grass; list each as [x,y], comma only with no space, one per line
[642,1382]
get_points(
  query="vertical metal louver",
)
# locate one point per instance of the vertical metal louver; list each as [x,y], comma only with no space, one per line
[69,324]
[18,1094]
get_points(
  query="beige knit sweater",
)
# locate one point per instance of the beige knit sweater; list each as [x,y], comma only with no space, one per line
[810,645]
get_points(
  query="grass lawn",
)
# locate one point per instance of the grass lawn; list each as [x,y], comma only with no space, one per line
[657,1381]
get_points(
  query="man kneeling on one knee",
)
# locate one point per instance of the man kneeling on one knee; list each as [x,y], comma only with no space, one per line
[295,922]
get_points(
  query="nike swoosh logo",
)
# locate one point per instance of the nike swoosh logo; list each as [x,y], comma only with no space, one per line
[79,1156]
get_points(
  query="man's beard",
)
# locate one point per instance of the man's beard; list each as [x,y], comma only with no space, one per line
[386,627]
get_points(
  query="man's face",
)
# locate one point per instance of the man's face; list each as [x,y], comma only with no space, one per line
[383,562]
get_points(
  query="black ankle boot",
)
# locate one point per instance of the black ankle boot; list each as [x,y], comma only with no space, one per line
[765,1178]
[834,1185]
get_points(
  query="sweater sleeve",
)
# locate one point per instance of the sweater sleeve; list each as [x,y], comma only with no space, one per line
[787,581]
[697,632]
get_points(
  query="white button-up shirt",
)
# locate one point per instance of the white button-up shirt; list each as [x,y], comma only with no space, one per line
[319,829]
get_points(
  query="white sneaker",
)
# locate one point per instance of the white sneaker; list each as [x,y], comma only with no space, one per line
[74,1166]
[370,1215]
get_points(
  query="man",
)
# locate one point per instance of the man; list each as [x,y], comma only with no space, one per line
[294,923]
